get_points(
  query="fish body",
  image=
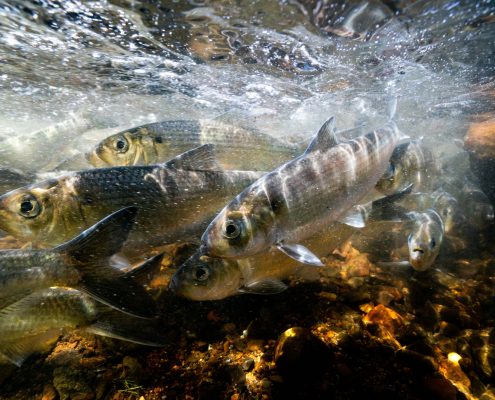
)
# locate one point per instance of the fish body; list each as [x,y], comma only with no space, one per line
[425,240]
[235,147]
[175,204]
[411,163]
[51,311]
[212,278]
[302,196]
[83,263]
[203,278]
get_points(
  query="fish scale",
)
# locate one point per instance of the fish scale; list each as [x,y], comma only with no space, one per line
[302,196]
[175,204]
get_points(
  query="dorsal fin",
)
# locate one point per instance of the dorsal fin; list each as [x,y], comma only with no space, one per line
[326,137]
[199,158]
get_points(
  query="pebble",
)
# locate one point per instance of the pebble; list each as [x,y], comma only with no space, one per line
[248,365]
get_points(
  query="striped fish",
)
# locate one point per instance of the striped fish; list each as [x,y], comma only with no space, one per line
[301,197]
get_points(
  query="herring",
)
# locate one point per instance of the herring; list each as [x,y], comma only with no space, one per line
[236,147]
[81,263]
[411,163]
[26,325]
[209,278]
[176,201]
[425,240]
[302,196]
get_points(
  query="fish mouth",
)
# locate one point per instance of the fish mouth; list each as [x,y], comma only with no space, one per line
[418,250]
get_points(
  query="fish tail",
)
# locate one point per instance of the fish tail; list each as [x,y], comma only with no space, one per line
[91,251]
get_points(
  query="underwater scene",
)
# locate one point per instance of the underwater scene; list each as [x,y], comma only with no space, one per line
[247,199]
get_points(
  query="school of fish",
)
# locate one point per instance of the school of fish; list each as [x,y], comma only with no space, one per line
[255,210]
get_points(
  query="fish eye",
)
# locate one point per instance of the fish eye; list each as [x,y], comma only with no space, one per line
[433,243]
[231,229]
[29,207]
[121,144]
[159,139]
[202,273]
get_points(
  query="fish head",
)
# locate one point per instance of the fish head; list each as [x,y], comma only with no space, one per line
[448,208]
[241,229]
[121,149]
[206,278]
[32,213]
[425,240]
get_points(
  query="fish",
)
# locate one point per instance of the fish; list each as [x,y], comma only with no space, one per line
[37,150]
[236,147]
[411,163]
[477,209]
[176,201]
[203,278]
[425,240]
[302,196]
[11,178]
[82,263]
[442,202]
[26,325]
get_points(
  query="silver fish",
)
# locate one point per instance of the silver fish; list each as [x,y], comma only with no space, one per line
[45,314]
[410,163]
[82,263]
[235,147]
[425,240]
[302,196]
[176,201]
[210,278]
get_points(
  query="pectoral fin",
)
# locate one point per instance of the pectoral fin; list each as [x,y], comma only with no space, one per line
[300,253]
[116,325]
[18,350]
[354,218]
[265,286]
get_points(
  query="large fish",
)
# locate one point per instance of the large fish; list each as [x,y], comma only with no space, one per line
[26,325]
[82,263]
[211,278]
[302,196]
[175,200]
[236,147]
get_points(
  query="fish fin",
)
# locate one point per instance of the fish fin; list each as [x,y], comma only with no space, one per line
[354,217]
[19,350]
[120,262]
[116,325]
[326,137]
[117,290]
[384,209]
[300,253]
[264,286]
[199,158]
[144,273]
[392,107]
[103,239]
[394,264]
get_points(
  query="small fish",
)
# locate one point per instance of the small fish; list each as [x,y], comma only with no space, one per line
[410,163]
[235,147]
[425,240]
[81,263]
[302,196]
[477,208]
[37,150]
[176,201]
[442,202]
[27,324]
